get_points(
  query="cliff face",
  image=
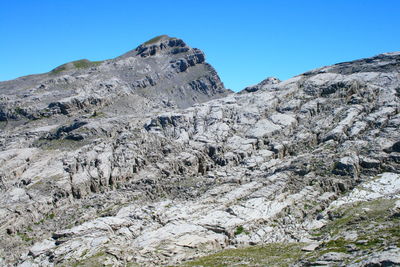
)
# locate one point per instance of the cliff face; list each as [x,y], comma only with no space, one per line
[312,162]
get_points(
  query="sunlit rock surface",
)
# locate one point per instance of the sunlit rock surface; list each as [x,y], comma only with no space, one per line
[124,162]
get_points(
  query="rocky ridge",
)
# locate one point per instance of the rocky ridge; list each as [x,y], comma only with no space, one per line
[312,162]
[162,72]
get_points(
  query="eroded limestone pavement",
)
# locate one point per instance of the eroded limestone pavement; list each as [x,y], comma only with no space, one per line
[132,179]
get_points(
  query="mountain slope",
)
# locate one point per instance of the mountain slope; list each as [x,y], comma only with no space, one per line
[312,161]
[161,72]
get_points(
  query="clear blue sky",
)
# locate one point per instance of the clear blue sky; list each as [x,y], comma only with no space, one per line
[245,41]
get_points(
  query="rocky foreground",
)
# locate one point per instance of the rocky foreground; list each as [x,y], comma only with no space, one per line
[119,163]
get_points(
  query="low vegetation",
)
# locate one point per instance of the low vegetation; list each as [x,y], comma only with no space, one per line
[78,64]
[374,223]
[276,254]
[154,40]
[61,144]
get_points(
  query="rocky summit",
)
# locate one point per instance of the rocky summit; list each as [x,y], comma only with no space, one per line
[147,160]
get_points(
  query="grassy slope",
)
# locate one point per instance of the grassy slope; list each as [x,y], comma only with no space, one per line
[376,225]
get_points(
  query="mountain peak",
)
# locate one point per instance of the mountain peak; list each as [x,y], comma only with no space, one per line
[162,43]
[157,39]
[163,71]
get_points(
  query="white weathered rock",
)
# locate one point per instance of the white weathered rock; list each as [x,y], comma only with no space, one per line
[385,185]
[311,247]
[42,247]
[162,185]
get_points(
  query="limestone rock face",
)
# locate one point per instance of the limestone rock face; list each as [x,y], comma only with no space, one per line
[140,170]
[269,82]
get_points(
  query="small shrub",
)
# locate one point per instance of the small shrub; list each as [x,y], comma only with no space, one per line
[24,237]
[239,230]
[154,40]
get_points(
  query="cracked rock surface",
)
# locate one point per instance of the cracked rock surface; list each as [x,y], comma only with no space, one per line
[124,163]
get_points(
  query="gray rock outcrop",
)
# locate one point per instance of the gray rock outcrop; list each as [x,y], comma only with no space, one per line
[313,160]
[269,82]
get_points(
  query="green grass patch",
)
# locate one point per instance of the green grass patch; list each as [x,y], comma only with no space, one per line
[59,69]
[360,214]
[239,230]
[92,261]
[274,254]
[78,64]
[61,144]
[154,40]
[24,237]
[47,217]
[372,221]
[84,63]
[337,245]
